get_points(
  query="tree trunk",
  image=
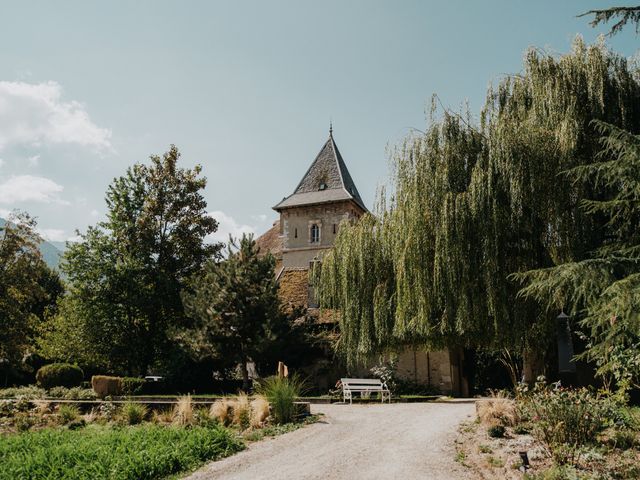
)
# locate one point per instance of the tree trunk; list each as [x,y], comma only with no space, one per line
[532,366]
[245,375]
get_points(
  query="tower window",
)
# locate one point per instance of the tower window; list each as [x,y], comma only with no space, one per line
[334,229]
[315,233]
[295,233]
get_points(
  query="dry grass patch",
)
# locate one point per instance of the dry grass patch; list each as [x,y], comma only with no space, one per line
[183,411]
[497,410]
[259,411]
[223,410]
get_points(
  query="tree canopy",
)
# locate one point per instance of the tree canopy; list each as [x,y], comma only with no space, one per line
[236,306]
[28,289]
[474,201]
[126,275]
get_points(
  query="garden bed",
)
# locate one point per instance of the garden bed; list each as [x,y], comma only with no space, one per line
[570,434]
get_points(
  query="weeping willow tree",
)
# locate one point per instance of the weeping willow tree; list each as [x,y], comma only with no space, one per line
[474,202]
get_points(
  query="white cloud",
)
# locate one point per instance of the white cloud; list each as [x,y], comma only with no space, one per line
[227,225]
[1,162]
[28,188]
[53,234]
[94,213]
[33,160]
[35,114]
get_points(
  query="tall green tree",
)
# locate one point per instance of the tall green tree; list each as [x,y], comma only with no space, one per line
[476,201]
[603,289]
[127,273]
[236,307]
[28,290]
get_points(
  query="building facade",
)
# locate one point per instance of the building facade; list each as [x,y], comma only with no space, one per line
[309,222]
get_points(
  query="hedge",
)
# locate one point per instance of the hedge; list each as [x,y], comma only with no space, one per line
[59,375]
[104,385]
[132,385]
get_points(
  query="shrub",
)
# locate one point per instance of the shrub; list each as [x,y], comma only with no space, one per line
[567,419]
[67,413]
[183,411]
[108,410]
[259,411]
[22,404]
[203,418]
[30,391]
[496,431]
[282,393]
[23,422]
[105,385]
[134,413]
[59,375]
[132,385]
[6,408]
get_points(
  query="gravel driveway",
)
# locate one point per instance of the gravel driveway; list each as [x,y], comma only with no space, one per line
[397,441]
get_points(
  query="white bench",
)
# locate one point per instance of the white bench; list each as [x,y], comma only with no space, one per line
[364,386]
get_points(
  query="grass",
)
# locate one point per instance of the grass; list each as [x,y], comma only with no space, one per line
[134,413]
[282,392]
[95,452]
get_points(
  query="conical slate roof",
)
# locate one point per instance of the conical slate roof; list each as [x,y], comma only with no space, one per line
[327,180]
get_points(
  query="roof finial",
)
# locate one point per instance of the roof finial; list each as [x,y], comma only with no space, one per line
[330,128]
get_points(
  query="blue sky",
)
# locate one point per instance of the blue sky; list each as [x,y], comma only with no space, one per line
[244,88]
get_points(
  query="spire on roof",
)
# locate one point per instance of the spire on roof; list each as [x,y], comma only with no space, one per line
[327,180]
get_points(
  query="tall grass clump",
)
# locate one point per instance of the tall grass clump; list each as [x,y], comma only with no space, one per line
[183,411]
[67,413]
[259,411]
[497,410]
[282,393]
[222,410]
[242,411]
[134,413]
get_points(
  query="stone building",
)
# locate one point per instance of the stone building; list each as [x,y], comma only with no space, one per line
[309,221]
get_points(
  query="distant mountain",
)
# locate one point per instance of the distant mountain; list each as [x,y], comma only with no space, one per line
[51,251]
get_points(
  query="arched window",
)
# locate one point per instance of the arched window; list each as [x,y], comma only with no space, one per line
[315,233]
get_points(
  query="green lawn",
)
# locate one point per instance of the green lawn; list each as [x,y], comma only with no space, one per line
[103,452]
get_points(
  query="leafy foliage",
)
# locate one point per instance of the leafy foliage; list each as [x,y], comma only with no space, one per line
[605,287]
[28,289]
[59,375]
[566,419]
[127,274]
[473,203]
[623,14]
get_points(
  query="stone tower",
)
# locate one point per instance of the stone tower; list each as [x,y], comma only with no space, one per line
[309,221]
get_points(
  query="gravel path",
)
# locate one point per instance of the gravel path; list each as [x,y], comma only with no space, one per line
[401,440]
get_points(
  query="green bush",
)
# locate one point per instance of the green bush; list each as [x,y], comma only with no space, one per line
[68,413]
[132,385]
[496,431]
[59,375]
[134,413]
[567,419]
[142,452]
[30,391]
[282,393]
